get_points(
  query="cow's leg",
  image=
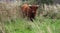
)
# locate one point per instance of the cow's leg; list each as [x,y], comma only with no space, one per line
[31,19]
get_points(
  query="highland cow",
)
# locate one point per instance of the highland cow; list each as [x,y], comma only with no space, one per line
[29,11]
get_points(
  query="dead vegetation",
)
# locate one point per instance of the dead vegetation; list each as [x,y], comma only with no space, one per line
[8,12]
[51,11]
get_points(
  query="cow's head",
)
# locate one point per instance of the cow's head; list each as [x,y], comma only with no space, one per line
[34,7]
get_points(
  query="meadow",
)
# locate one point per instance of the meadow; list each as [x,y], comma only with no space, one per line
[11,21]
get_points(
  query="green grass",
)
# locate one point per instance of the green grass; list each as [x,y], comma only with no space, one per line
[40,25]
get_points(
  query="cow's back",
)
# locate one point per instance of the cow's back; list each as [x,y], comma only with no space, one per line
[25,9]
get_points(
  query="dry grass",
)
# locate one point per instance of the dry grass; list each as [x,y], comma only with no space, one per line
[51,10]
[9,11]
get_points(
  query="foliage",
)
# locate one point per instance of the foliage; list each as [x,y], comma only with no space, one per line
[47,2]
[41,1]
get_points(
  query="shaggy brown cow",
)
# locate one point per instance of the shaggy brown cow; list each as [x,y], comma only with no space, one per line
[29,11]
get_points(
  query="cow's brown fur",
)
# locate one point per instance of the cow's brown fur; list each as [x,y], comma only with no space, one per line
[29,11]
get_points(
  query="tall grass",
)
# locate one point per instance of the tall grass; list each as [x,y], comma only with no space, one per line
[51,11]
[11,20]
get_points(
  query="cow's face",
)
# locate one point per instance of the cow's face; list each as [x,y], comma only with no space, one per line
[33,8]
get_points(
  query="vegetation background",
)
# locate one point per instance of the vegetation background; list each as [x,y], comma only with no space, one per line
[47,19]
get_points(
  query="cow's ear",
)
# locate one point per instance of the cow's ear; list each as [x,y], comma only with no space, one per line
[30,5]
